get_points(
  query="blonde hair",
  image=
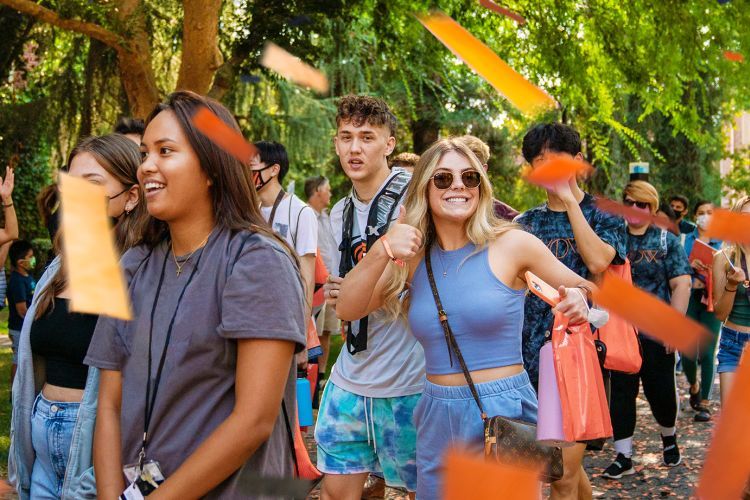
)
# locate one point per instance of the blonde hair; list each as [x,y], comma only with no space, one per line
[481,228]
[735,249]
[478,147]
[644,192]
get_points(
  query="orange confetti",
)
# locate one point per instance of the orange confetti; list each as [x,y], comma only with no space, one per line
[469,477]
[97,285]
[727,468]
[615,208]
[293,69]
[733,56]
[556,169]
[524,95]
[223,135]
[729,226]
[649,314]
[489,4]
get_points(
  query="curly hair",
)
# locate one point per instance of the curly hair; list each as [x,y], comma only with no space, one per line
[360,109]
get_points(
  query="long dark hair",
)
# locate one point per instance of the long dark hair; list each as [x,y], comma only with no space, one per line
[120,157]
[234,199]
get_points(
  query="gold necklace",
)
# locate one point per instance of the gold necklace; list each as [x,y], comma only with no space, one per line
[179,264]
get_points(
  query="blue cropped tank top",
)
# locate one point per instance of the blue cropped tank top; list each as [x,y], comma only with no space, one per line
[485,314]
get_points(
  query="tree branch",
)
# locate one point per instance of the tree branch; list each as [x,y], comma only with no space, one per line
[49,16]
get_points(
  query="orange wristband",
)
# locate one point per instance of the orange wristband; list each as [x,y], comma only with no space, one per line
[389,252]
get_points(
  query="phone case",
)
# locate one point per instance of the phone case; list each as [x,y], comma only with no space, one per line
[541,289]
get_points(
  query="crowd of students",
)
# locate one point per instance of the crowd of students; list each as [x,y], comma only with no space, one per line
[237,284]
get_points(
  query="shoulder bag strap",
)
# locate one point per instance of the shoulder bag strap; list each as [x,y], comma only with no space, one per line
[449,338]
[743,265]
[276,205]
[290,436]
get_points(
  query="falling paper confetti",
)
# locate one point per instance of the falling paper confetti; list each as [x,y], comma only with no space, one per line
[489,4]
[615,208]
[291,68]
[729,226]
[467,476]
[726,469]
[649,314]
[224,136]
[556,169]
[527,97]
[96,282]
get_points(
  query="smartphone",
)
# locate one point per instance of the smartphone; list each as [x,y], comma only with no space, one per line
[541,289]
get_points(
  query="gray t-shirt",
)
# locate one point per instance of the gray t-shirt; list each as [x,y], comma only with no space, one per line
[245,286]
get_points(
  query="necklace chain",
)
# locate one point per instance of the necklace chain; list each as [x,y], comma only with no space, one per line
[442,264]
[180,264]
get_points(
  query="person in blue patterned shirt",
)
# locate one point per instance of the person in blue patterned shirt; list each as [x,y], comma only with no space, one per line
[583,238]
[658,266]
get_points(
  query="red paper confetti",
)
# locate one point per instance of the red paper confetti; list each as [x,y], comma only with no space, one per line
[615,208]
[729,226]
[466,476]
[293,69]
[223,135]
[727,467]
[649,314]
[733,56]
[489,4]
[556,169]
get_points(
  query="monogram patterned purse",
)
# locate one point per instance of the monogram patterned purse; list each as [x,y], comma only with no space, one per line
[506,439]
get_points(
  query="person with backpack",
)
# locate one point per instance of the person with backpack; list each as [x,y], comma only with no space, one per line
[457,272]
[585,239]
[658,266]
[365,419]
[197,391]
[55,395]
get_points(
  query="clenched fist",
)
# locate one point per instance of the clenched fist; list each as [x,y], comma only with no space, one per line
[404,240]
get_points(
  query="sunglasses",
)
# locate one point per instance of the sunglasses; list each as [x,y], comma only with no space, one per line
[640,204]
[469,178]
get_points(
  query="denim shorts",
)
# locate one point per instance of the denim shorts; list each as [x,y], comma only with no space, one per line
[15,337]
[731,345]
[448,415]
[358,434]
[52,425]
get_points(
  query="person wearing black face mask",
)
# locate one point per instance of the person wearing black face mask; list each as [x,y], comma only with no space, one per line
[287,215]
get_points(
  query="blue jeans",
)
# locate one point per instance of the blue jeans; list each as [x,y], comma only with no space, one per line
[52,426]
[731,344]
[448,415]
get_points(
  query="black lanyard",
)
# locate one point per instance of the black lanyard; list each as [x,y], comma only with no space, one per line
[151,398]
[276,204]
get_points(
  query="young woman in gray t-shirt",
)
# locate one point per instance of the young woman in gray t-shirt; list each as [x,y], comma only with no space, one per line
[198,379]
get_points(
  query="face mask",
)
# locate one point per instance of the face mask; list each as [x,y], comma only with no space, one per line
[258,178]
[634,220]
[32,262]
[702,221]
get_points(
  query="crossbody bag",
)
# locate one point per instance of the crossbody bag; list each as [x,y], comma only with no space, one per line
[506,439]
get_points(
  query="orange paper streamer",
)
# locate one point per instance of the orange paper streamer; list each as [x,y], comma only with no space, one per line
[489,4]
[733,56]
[96,282]
[615,208]
[290,67]
[557,169]
[649,314]
[727,468]
[527,97]
[469,477]
[223,135]
[729,226]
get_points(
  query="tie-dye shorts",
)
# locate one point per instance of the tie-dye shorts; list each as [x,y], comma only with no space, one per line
[358,434]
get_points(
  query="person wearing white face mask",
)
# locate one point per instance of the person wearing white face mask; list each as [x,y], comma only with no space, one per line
[699,310]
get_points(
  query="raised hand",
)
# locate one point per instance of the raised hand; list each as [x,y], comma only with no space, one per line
[572,305]
[404,240]
[6,188]
[736,276]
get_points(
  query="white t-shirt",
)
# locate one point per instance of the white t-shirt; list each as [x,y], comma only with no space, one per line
[296,222]
[393,363]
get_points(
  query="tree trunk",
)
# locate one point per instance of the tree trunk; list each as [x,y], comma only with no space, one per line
[201,56]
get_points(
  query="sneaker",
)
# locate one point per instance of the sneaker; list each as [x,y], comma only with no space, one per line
[671,451]
[622,466]
[695,400]
[702,414]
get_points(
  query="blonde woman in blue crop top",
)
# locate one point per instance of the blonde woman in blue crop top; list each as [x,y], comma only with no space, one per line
[732,303]
[479,263]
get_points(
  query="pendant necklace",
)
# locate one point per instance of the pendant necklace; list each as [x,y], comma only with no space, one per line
[181,263]
[440,257]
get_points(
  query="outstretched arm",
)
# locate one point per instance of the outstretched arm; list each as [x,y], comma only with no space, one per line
[10,231]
